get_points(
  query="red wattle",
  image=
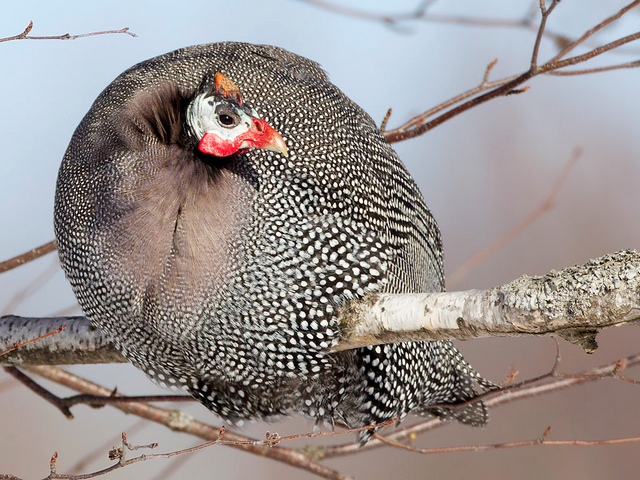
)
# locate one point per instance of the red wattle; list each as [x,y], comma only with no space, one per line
[211,144]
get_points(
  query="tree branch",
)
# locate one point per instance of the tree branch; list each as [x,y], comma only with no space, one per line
[28,256]
[182,422]
[65,36]
[545,384]
[419,125]
[574,303]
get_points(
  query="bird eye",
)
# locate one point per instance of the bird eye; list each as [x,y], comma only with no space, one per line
[227,117]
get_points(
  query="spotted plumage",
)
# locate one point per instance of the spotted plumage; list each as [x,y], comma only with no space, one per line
[222,275]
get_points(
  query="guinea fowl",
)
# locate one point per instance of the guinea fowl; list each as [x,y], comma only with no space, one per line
[214,209]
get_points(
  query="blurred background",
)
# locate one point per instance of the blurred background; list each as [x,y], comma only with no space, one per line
[481,174]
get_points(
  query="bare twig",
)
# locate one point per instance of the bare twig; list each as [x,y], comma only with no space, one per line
[181,422]
[550,382]
[507,86]
[592,31]
[96,401]
[119,453]
[542,385]
[65,36]
[28,256]
[542,440]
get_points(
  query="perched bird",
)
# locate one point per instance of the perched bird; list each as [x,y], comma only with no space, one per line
[214,209]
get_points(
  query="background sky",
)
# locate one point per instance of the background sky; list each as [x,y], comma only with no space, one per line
[480,173]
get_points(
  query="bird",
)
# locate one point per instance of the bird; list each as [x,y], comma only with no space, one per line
[215,209]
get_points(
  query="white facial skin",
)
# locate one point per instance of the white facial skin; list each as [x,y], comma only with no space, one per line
[206,114]
[223,128]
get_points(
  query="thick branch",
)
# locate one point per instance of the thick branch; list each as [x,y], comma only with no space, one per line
[574,303]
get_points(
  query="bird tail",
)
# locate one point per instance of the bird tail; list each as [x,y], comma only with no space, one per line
[462,403]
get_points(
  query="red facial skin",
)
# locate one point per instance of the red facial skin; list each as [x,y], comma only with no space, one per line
[260,135]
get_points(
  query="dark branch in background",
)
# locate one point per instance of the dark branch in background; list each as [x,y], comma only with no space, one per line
[65,36]
[421,13]
[181,422]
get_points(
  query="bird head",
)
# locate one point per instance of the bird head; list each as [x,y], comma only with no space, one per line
[224,124]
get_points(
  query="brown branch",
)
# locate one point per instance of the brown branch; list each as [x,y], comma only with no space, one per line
[419,125]
[587,71]
[545,12]
[65,36]
[554,66]
[181,422]
[28,256]
[592,31]
[483,87]
[64,404]
[549,383]
[542,440]
[411,130]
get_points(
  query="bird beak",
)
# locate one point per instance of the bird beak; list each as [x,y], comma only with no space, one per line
[264,136]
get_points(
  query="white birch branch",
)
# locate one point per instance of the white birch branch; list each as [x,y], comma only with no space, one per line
[574,303]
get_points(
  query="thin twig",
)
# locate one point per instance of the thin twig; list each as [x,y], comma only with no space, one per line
[541,28]
[553,66]
[65,36]
[542,440]
[178,421]
[28,256]
[542,385]
[587,71]
[22,344]
[120,453]
[592,31]
[419,125]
